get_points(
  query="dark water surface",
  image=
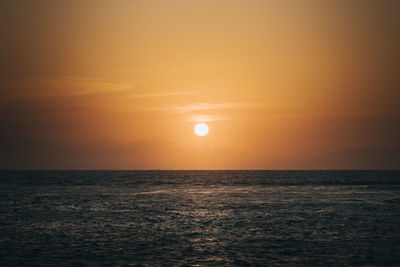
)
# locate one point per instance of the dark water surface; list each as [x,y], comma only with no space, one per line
[200,218]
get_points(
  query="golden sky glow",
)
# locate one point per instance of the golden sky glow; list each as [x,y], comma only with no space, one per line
[121,84]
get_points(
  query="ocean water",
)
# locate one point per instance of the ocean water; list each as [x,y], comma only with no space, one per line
[200,218]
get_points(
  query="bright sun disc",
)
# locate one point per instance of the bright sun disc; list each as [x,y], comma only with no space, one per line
[201,129]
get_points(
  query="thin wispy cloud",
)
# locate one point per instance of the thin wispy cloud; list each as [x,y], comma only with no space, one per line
[61,87]
[205,118]
[164,94]
[203,106]
[212,106]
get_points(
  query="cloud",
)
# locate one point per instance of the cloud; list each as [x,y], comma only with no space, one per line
[163,94]
[22,153]
[205,118]
[83,90]
[60,87]
[212,106]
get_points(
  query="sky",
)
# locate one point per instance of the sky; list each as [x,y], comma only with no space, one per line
[121,84]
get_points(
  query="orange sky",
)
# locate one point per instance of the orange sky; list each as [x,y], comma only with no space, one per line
[121,84]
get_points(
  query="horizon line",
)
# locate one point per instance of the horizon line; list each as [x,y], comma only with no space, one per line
[200,169]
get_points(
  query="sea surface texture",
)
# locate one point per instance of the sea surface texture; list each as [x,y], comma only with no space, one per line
[200,218]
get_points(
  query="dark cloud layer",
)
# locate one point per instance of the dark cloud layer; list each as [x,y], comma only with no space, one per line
[163,154]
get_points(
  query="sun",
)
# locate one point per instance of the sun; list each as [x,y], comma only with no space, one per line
[201,129]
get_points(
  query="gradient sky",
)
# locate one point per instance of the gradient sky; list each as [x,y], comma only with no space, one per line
[121,84]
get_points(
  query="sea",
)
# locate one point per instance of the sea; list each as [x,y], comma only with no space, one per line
[199,218]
